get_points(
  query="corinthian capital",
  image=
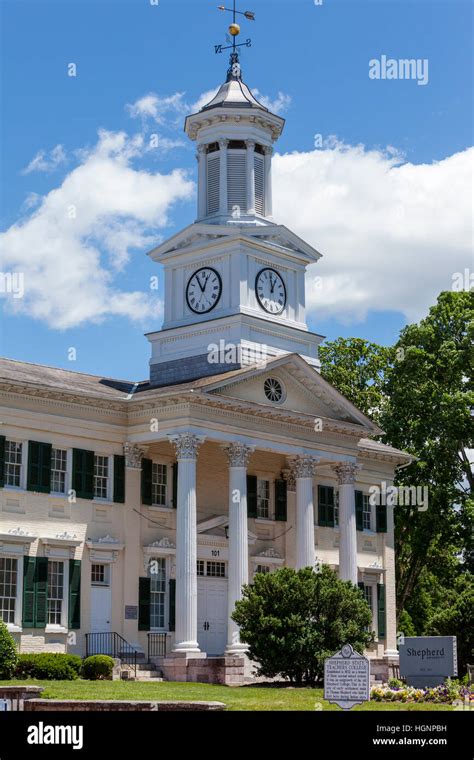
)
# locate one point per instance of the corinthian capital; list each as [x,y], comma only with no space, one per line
[303,466]
[133,455]
[186,444]
[238,454]
[346,472]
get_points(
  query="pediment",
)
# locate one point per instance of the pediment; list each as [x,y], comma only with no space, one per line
[305,392]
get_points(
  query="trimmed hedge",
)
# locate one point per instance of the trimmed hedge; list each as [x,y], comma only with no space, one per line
[8,653]
[51,666]
[97,667]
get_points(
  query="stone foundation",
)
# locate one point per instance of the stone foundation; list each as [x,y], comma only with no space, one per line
[228,671]
[381,669]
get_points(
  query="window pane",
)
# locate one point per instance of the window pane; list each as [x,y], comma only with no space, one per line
[13,453]
[263,498]
[55,591]
[366,513]
[8,581]
[101,476]
[157,573]
[58,470]
[215,569]
[158,484]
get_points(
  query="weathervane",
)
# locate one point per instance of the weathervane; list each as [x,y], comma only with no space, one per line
[234,31]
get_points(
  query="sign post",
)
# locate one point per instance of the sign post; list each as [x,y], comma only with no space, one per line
[347,678]
[427,660]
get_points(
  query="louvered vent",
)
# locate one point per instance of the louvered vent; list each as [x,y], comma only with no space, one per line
[259,185]
[236,180]
[213,172]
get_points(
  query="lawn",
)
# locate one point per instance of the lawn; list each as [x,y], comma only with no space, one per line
[235,697]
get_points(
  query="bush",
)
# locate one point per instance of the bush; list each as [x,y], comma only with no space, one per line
[48,665]
[293,620]
[97,667]
[8,653]
[395,683]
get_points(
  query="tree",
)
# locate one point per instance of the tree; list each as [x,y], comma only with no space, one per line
[428,413]
[293,620]
[455,614]
[357,368]
[8,653]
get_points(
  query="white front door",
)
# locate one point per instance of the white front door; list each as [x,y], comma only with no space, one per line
[101,609]
[212,615]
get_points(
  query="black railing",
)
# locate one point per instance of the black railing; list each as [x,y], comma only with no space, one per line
[114,645]
[156,645]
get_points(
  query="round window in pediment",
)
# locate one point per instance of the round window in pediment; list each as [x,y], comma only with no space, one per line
[273,390]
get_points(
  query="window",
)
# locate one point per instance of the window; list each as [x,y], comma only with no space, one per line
[55,592]
[99,575]
[273,389]
[366,512]
[101,476]
[8,588]
[213,182]
[13,455]
[369,598]
[263,498]
[259,184]
[215,570]
[237,180]
[158,484]
[157,569]
[262,569]
[58,470]
[211,569]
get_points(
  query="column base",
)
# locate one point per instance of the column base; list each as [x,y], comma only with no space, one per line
[236,650]
[392,653]
[188,648]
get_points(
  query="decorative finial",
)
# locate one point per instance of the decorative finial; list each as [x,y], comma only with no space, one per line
[234,71]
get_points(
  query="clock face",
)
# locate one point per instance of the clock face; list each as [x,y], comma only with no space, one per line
[270,291]
[203,290]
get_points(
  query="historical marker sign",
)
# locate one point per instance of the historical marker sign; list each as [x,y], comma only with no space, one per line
[347,678]
[427,660]
[131,612]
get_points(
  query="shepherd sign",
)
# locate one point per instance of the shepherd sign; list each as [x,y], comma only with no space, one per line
[428,660]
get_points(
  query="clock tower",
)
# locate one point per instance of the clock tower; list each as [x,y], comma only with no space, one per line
[235,278]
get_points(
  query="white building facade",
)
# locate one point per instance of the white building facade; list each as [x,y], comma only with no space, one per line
[135,512]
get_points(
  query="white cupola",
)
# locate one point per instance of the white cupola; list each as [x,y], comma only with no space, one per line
[234,135]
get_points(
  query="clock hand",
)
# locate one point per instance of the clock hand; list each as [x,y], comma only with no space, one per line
[272,284]
[199,283]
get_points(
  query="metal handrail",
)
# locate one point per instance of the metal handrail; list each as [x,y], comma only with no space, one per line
[113,644]
[156,644]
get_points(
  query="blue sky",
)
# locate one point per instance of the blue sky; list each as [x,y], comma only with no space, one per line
[317,57]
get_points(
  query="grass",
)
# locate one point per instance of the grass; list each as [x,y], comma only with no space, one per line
[235,697]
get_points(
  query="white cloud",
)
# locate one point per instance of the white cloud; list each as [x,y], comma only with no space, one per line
[71,246]
[392,234]
[157,108]
[276,105]
[47,162]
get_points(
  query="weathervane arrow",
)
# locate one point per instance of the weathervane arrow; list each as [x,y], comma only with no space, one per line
[234,31]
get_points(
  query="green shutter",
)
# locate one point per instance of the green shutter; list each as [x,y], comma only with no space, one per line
[381,518]
[361,586]
[39,467]
[172,605]
[119,478]
[74,605]
[2,461]
[144,593]
[326,506]
[147,467]
[174,500]
[41,592]
[280,500]
[381,610]
[359,508]
[29,569]
[83,473]
[251,495]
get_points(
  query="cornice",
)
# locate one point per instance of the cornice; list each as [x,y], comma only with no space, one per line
[62,398]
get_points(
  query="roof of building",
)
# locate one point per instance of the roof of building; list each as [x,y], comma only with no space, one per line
[234,94]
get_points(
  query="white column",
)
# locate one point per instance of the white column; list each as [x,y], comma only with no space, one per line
[268,181]
[201,156]
[346,474]
[132,555]
[187,446]
[237,455]
[303,470]
[223,176]
[250,176]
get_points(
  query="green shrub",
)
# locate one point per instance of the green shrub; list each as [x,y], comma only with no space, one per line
[48,665]
[293,620]
[395,683]
[98,667]
[8,653]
